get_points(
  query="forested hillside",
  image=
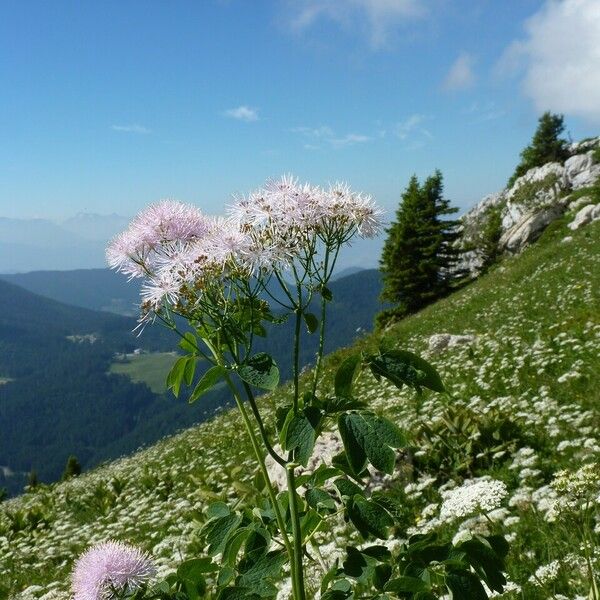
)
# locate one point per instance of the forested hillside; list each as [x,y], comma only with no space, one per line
[59,398]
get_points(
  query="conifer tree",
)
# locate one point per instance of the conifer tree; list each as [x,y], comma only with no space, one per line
[546,145]
[419,257]
[72,468]
[32,481]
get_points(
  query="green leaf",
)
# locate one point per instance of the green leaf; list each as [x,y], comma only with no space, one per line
[191,569]
[403,367]
[301,434]
[318,498]
[326,293]
[352,431]
[369,517]
[381,576]
[219,532]
[207,381]
[176,374]
[406,584]
[217,510]
[368,436]
[237,593]
[189,343]
[358,566]
[267,567]
[322,474]
[485,561]
[189,370]
[312,323]
[464,585]
[260,371]
[347,488]
[344,376]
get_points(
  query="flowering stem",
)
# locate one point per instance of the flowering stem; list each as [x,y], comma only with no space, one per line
[265,473]
[298,570]
[321,328]
[261,426]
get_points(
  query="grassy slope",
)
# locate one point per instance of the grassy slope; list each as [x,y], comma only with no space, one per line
[537,318]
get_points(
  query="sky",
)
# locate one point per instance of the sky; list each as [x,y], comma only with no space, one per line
[108,106]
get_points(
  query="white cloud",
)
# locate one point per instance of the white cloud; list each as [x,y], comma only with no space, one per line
[560,58]
[411,126]
[460,76]
[242,113]
[378,18]
[316,136]
[133,128]
[350,139]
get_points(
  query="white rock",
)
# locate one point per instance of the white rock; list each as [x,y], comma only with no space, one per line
[581,171]
[583,217]
[580,202]
[528,229]
[566,239]
[443,341]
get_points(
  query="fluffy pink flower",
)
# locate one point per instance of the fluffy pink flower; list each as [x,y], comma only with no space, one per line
[133,251]
[109,566]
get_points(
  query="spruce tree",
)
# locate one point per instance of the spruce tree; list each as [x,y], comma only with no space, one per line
[546,145]
[419,257]
[72,468]
[33,480]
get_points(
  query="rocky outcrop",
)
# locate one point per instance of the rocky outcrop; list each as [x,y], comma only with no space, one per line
[586,215]
[533,202]
[529,228]
[443,341]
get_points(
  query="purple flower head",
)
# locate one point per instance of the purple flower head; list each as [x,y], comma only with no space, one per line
[107,567]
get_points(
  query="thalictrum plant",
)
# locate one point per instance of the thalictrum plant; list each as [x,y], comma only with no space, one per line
[220,283]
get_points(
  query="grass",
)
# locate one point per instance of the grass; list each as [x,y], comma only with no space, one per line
[151,369]
[522,404]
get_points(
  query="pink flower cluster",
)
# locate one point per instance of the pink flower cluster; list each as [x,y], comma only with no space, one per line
[110,567]
[176,247]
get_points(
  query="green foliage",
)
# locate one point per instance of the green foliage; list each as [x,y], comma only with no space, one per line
[546,146]
[592,191]
[488,236]
[529,191]
[425,569]
[596,154]
[419,255]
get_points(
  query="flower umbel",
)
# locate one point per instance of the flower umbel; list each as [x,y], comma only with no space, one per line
[110,567]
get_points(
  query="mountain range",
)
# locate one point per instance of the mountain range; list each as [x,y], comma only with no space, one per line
[79,243]
[58,395]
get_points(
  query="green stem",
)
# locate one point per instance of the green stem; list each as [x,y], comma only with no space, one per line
[298,570]
[297,358]
[261,427]
[263,468]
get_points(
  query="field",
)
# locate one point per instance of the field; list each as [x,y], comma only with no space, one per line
[522,405]
[150,368]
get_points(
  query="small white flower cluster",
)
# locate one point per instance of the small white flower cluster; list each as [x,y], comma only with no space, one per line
[179,250]
[474,496]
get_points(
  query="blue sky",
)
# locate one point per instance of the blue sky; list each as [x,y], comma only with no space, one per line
[107,106]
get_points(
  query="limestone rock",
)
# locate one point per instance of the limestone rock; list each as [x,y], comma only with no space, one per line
[581,170]
[528,229]
[580,203]
[443,341]
[586,215]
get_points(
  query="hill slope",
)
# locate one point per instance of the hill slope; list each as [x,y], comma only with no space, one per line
[528,388]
